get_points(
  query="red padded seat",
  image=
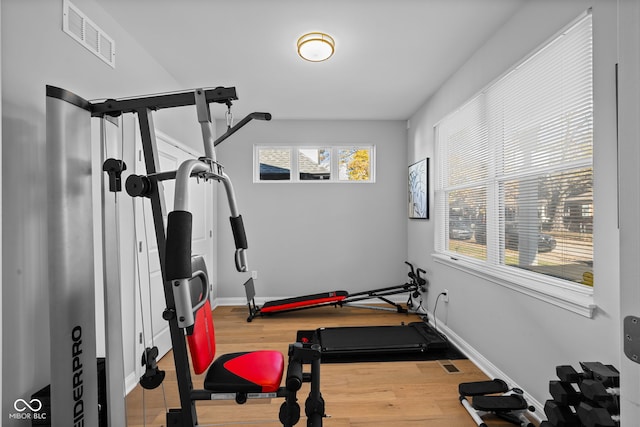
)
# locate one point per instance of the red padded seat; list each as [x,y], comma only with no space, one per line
[247,372]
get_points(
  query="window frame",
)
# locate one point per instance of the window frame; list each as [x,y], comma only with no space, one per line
[563,293]
[295,166]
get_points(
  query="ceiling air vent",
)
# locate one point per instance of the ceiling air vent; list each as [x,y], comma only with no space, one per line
[84,31]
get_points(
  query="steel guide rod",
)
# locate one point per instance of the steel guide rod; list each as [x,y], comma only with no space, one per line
[158,207]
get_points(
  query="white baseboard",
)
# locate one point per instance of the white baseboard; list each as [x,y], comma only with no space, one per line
[130,382]
[491,370]
[240,301]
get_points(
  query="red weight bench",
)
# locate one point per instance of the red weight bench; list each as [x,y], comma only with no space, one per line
[339,298]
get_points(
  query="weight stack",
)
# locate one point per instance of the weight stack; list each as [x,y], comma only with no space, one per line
[42,417]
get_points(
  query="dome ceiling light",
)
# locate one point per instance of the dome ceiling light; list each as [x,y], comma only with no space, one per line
[316,47]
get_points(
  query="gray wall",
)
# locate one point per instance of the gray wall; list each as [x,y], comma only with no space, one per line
[523,336]
[35,52]
[313,237]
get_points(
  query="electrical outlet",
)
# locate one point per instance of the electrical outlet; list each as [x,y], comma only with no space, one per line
[445,296]
[254,275]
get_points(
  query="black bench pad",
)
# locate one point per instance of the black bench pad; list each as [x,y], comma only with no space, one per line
[511,402]
[479,388]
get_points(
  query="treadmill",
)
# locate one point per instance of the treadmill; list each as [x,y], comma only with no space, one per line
[413,341]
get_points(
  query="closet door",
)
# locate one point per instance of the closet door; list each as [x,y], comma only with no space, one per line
[153,329]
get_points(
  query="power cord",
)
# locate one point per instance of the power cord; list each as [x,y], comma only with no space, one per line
[435,319]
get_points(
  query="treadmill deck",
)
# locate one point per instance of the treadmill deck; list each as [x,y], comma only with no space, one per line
[359,341]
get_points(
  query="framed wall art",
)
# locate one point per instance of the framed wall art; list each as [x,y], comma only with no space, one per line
[419,189]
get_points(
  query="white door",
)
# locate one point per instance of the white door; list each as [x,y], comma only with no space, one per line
[150,295]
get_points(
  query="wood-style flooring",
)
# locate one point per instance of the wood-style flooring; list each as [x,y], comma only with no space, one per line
[395,394]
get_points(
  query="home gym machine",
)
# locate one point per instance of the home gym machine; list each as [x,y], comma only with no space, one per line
[238,376]
[416,288]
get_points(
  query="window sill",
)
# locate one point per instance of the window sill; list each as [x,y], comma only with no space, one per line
[573,297]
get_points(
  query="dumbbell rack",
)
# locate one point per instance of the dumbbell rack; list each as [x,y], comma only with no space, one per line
[584,399]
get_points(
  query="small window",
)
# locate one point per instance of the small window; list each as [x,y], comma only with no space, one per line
[354,164]
[314,164]
[274,164]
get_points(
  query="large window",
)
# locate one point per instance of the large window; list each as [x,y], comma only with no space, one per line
[313,164]
[514,190]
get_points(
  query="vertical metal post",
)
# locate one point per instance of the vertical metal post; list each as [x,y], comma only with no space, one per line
[315,404]
[188,416]
[74,376]
[115,389]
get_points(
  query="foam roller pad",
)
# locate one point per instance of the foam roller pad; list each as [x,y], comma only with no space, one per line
[178,250]
[238,232]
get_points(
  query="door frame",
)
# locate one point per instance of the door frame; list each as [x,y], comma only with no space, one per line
[629,195]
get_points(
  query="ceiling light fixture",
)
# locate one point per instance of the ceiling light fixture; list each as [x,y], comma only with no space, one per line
[316,47]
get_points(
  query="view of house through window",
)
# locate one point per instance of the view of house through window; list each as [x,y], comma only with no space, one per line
[314,163]
[515,175]
[275,164]
[300,164]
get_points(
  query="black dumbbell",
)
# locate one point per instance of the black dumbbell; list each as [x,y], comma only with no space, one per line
[597,392]
[606,374]
[567,374]
[592,416]
[560,415]
[564,393]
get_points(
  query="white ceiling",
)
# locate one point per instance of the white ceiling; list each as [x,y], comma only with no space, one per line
[390,55]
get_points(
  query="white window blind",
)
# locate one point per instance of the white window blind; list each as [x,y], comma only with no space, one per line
[515,167]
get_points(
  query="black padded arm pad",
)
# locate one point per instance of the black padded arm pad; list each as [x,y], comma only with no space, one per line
[261,116]
[294,375]
[238,232]
[178,250]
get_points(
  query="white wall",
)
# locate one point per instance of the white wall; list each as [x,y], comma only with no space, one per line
[313,237]
[525,337]
[35,52]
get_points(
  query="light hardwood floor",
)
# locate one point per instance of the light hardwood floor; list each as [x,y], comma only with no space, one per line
[398,394]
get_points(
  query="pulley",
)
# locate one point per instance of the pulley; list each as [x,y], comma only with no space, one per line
[153,376]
